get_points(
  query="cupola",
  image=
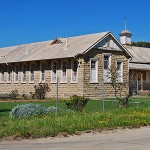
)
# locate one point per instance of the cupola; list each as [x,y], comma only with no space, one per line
[125,36]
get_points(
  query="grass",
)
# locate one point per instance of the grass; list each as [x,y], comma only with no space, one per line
[92,118]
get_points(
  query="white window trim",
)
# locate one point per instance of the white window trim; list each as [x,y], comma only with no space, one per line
[30,73]
[23,74]
[109,66]
[96,70]
[52,71]
[11,80]
[15,74]
[1,74]
[42,81]
[62,72]
[121,81]
[72,71]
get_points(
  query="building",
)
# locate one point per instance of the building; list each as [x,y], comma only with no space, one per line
[139,65]
[78,63]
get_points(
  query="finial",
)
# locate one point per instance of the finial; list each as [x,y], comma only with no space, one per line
[125,26]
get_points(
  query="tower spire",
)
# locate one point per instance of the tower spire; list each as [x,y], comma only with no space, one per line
[125,23]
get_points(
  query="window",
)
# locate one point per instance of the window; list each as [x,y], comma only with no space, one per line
[9,73]
[32,68]
[16,73]
[94,71]
[107,65]
[42,75]
[54,72]
[2,77]
[119,71]
[23,77]
[106,61]
[74,74]
[64,72]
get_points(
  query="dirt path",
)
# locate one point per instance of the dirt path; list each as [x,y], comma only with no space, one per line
[128,139]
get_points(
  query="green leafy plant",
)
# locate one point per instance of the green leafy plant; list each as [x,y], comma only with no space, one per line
[13,94]
[76,103]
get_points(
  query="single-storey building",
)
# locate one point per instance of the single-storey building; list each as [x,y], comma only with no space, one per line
[77,63]
[139,65]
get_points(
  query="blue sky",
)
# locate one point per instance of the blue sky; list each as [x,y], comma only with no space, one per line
[27,21]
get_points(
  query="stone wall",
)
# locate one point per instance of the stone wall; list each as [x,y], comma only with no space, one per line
[65,89]
[94,90]
[82,87]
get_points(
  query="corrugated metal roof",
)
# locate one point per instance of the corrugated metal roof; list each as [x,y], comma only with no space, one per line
[67,47]
[44,50]
[139,66]
[140,54]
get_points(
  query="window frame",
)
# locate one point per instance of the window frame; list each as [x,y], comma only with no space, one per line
[16,81]
[52,64]
[2,74]
[22,74]
[120,61]
[9,73]
[72,64]
[32,81]
[109,66]
[41,73]
[61,81]
[96,64]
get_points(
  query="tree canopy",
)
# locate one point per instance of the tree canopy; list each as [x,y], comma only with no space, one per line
[141,44]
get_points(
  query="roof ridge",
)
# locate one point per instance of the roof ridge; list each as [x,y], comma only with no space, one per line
[88,34]
[53,40]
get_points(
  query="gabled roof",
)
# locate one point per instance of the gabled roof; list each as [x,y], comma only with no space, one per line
[56,41]
[46,50]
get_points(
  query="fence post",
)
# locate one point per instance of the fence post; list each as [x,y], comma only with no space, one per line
[137,88]
[103,107]
[57,96]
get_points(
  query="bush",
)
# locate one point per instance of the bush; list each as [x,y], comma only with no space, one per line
[24,96]
[13,94]
[52,109]
[40,91]
[76,103]
[27,110]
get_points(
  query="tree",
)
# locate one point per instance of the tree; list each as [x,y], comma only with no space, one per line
[122,90]
[141,44]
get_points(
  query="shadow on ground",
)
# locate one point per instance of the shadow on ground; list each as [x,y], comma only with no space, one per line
[2,111]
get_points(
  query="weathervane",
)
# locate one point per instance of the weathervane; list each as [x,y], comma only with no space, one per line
[125,26]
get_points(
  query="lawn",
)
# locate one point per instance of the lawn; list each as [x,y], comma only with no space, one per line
[92,118]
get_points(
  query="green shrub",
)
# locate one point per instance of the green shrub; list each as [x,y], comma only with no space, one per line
[27,110]
[76,103]
[13,94]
